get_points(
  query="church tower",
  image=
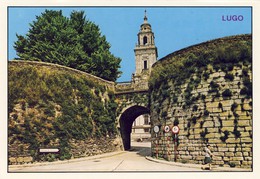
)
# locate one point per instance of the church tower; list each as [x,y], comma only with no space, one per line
[145,54]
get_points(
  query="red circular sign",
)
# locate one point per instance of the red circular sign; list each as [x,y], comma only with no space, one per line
[175,129]
[166,128]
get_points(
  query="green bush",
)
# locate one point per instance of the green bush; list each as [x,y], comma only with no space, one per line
[206,113]
[232,165]
[229,77]
[225,137]
[236,132]
[81,109]
[195,108]
[227,93]
[194,119]
[234,106]
[176,122]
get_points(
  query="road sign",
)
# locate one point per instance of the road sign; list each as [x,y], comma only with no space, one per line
[175,129]
[156,129]
[166,129]
[49,150]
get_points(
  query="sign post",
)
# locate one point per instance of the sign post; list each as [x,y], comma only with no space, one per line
[175,131]
[156,129]
[167,142]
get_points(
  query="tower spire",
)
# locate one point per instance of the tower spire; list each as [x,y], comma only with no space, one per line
[145,16]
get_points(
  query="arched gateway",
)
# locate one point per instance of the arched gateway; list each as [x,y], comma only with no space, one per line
[126,121]
[132,97]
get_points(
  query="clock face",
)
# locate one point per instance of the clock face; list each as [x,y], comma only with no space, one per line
[156,129]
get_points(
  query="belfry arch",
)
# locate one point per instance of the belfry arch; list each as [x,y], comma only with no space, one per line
[126,121]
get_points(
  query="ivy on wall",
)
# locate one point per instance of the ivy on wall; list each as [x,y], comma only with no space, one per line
[57,106]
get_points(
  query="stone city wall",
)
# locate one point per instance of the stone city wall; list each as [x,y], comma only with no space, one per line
[212,107]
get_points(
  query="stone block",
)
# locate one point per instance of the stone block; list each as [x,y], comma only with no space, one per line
[248,158]
[212,129]
[245,154]
[246,149]
[219,154]
[229,129]
[210,135]
[186,157]
[182,152]
[20,159]
[238,154]
[231,149]
[237,158]
[247,107]
[245,117]
[12,160]
[238,101]
[216,110]
[244,162]
[227,102]
[248,128]
[200,157]
[195,153]
[229,154]
[246,139]
[214,141]
[208,124]
[222,145]
[217,158]
[215,75]
[231,145]
[219,162]
[228,123]
[244,134]
[243,123]
[226,159]
[237,163]
[238,149]
[232,140]
[220,149]
[212,104]
[27,159]
[191,148]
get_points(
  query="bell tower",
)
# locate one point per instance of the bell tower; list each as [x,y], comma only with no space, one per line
[145,53]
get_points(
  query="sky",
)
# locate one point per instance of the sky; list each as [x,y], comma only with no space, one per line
[174,27]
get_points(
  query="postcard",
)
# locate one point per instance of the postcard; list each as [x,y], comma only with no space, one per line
[111,89]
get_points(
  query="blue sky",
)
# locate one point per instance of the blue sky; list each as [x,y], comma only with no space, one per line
[174,27]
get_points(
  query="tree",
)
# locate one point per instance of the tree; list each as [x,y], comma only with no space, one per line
[74,42]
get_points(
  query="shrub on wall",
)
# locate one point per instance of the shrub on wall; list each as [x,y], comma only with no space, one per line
[227,93]
[58,106]
[181,67]
[207,90]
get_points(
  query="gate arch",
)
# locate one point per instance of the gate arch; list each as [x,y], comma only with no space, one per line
[126,121]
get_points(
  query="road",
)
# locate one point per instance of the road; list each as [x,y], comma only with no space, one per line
[131,161]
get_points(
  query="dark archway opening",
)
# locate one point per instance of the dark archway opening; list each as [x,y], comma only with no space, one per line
[126,122]
[145,40]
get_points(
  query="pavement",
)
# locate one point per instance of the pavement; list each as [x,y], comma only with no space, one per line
[111,154]
[105,155]
[189,165]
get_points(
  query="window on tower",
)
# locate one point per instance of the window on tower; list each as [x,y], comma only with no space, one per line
[145,65]
[145,40]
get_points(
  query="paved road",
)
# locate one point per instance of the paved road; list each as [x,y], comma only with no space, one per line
[133,160]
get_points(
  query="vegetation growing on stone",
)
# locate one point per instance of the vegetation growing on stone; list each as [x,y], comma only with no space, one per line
[218,55]
[50,107]
[210,85]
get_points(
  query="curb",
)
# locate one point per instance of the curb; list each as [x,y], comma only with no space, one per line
[105,155]
[197,166]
